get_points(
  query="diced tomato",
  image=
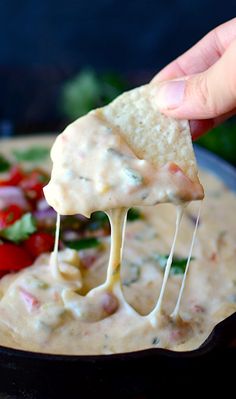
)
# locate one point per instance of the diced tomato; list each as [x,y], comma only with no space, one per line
[109,303]
[13,257]
[9,215]
[33,183]
[14,178]
[39,243]
[213,256]
[198,308]
[30,300]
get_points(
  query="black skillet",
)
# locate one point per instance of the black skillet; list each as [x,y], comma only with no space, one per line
[139,375]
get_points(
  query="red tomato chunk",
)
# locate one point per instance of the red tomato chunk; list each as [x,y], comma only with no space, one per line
[39,243]
[9,215]
[13,257]
[14,177]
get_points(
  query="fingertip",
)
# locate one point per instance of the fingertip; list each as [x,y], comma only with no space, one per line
[159,77]
[167,73]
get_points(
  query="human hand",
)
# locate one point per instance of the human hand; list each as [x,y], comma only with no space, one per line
[200,85]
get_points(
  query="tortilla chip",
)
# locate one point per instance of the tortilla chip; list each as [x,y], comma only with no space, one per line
[150,134]
[90,173]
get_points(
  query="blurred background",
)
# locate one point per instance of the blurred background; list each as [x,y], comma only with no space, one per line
[59,59]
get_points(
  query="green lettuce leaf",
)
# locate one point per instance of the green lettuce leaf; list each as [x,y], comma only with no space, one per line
[83,243]
[31,154]
[21,229]
[4,164]
[134,214]
[178,264]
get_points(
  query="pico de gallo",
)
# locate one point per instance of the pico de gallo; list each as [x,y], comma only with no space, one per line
[27,222]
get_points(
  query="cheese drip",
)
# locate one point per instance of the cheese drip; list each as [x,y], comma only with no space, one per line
[154,315]
[175,313]
[112,284]
[90,308]
[54,254]
[117,219]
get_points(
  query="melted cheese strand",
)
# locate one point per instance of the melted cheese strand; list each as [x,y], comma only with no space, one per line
[54,254]
[117,219]
[153,316]
[175,313]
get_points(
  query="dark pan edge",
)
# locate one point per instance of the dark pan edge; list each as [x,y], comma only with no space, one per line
[220,336]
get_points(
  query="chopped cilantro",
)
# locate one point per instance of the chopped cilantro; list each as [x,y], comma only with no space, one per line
[155,341]
[134,214]
[178,264]
[98,220]
[31,154]
[134,272]
[4,164]
[20,230]
[135,177]
[83,243]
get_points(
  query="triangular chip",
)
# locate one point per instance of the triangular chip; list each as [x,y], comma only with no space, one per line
[124,154]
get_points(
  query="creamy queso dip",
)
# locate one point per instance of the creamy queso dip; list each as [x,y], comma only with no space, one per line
[44,313]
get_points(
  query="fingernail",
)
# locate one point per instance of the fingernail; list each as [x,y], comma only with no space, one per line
[169,95]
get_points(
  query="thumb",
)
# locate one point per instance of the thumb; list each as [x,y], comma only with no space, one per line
[202,96]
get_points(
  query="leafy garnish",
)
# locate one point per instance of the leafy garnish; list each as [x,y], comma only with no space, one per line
[155,341]
[178,264]
[98,220]
[4,164]
[221,140]
[89,90]
[83,243]
[31,154]
[134,275]
[134,214]
[38,283]
[135,177]
[21,229]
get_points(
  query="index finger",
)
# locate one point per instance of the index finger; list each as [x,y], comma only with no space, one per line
[202,55]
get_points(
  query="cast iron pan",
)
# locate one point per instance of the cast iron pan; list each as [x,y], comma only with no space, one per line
[142,374]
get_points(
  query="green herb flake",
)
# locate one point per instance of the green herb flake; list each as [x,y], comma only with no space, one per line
[134,214]
[35,282]
[21,229]
[134,176]
[116,153]
[116,270]
[98,220]
[41,284]
[83,243]
[4,164]
[178,265]
[155,341]
[31,154]
[134,275]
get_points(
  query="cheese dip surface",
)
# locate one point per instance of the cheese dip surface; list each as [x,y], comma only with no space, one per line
[40,312]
